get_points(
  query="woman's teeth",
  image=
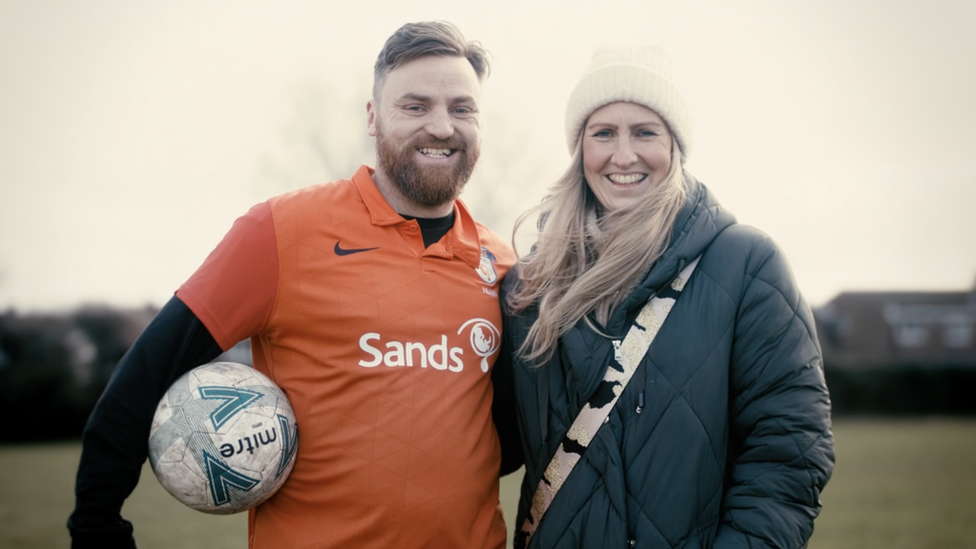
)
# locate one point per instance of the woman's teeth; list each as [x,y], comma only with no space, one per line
[626,179]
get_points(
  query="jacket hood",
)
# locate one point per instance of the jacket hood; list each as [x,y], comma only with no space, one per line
[697,224]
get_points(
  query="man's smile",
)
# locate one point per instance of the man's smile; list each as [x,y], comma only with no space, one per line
[436,153]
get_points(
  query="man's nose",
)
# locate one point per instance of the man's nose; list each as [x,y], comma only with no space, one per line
[440,125]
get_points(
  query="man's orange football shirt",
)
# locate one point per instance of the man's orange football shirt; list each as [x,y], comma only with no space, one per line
[384,349]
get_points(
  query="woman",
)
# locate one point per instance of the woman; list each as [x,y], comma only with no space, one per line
[721,437]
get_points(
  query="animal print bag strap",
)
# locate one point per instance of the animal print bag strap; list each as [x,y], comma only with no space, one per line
[627,357]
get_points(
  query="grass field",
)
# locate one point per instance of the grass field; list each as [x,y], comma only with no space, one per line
[899,484]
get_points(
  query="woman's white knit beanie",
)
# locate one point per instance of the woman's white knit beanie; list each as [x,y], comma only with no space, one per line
[640,75]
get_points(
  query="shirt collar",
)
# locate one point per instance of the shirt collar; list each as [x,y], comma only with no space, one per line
[462,241]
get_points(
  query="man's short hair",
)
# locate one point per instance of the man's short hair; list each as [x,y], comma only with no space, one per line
[415,40]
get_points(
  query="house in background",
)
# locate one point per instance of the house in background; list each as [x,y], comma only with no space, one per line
[883,329]
[900,351]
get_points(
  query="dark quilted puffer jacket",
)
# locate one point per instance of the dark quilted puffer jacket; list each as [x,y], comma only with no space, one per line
[733,443]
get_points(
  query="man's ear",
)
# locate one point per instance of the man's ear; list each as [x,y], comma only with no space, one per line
[371,118]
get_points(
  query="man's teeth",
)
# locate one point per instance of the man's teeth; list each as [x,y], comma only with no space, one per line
[626,179]
[439,153]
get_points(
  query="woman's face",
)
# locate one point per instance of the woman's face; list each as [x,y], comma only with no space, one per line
[626,152]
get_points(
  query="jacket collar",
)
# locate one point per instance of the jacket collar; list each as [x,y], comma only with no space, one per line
[699,221]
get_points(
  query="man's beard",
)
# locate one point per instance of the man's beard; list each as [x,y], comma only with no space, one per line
[428,186]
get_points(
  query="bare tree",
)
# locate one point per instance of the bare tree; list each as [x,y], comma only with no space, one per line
[324,136]
[511,175]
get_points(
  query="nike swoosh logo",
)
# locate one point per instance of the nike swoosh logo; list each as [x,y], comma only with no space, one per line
[350,251]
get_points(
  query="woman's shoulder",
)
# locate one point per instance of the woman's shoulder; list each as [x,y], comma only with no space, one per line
[512,278]
[742,255]
[510,285]
[743,241]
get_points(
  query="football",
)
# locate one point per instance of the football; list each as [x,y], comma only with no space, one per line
[223,438]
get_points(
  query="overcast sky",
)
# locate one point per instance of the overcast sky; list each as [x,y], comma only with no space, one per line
[132,133]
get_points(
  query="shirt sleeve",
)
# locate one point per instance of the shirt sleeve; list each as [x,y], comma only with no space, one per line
[234,291]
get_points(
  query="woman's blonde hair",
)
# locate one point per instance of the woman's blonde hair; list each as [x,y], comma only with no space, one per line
[586,260]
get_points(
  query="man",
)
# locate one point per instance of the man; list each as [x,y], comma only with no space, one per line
[373,303]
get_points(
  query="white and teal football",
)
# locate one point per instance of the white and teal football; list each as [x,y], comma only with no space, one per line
[223,438]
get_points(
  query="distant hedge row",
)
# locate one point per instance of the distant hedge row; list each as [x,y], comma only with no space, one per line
[903,390]
[53,367]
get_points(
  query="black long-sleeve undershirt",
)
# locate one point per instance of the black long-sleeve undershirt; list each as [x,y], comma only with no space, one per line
[115,440]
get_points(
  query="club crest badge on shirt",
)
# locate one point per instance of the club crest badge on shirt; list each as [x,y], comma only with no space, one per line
[486,270]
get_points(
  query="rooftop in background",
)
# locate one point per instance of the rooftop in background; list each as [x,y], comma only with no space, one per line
[884,329]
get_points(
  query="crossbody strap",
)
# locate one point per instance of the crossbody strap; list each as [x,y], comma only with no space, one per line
[628,355]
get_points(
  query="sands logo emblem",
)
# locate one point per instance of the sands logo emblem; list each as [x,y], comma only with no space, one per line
[485,339]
